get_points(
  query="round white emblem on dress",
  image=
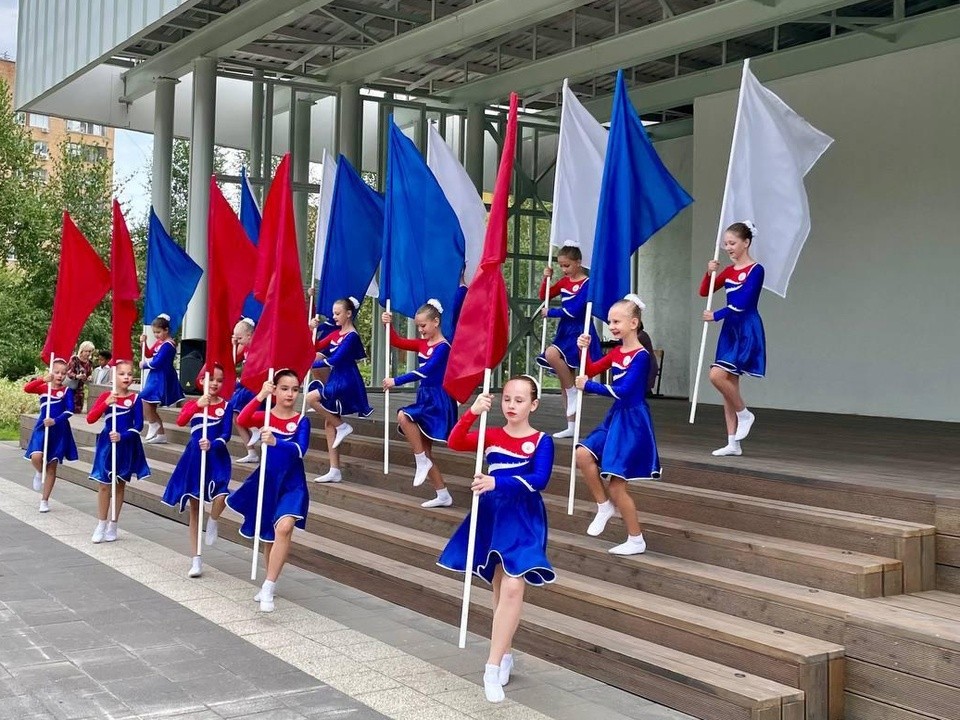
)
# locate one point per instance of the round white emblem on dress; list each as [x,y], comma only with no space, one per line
[528,447]
[128,402]
[742,276]
[576,288]
[627,359]
[291,426]
[429,351]
[218,412]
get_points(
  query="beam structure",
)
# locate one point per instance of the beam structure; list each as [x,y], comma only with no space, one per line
[711,24]
[250,21]
[460,30]
[163,107]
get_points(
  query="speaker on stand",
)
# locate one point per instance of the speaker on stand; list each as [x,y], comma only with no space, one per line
[193,354]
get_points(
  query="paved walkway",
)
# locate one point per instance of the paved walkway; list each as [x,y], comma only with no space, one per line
[117,631]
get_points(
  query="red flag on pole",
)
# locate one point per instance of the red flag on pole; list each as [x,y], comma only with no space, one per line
[124,286]
[270,233]
[82,282]
[232,263]
[282,338]
[484,327]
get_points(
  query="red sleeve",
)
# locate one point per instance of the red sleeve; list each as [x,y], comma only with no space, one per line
[554,289]
[241,353]
[322,343]
[251,416]
[601,365]
[98,409]
[705,283]
[398,341]
[186,413]
[37,386]
[147,351]
[461,438]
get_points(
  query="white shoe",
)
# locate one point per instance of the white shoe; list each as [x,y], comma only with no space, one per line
[743,425]
[333,475]
[599,523]
[568,433]
[37,482]
[266,604]
[256,598]
[196,569]
[158,439]
[254,437]
[152,429]
[99,532]
[441,500]
[633,546]
[506,665]
[423,468]
[343,430]
[44,506]
[110,534]
[728,450]
[491,684]
[211,534]
[251,457]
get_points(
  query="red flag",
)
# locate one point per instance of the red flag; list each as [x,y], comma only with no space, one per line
[483,330]
[232,263]
[82,282]
[124,286]
[270,232]
[282,338]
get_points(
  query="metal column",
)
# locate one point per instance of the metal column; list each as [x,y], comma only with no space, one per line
[162,148]
[349,122]
[201,168]
[474,151]
[302,111]
[255,169]
[267,136]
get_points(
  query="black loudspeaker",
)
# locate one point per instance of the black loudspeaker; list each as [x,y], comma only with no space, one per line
[193,354]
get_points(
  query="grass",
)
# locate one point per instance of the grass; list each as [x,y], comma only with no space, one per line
[9,432]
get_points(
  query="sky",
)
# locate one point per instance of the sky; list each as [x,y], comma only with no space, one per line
[132,150]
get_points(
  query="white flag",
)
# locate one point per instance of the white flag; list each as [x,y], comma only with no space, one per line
[328,179]
[579,173]
[773,149]
[462,195]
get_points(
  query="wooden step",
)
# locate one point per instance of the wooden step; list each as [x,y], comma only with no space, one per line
[828,568]
[689,684]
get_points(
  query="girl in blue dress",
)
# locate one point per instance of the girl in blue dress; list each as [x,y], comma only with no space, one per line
[622,448]
[562,357]
[511,541]
[433,415]
[286,500]
[162,386]
[742,346]
[56,400]
[183,485]
[343,393]
[131,460]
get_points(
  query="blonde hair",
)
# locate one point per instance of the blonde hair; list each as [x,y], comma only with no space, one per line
[85,345]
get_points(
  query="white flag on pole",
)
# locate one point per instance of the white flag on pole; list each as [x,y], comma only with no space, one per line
[462,195]
[328,180]
[773,149]
[576,184]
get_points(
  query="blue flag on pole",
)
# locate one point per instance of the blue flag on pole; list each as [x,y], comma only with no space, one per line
[638,196]
[354,238]
[172,276]
[423,245]
[250,220]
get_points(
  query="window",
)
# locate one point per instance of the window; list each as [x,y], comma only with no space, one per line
[41,122]
[94,153]
[41,148]
[74,149]
[41,174]
[85,127]
[20,118]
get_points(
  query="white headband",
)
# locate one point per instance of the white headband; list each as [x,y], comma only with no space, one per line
[635,299]
[751,227]
[435,304]
[164,316]
[248,321]
[535,384]
[571,243]
[354,302]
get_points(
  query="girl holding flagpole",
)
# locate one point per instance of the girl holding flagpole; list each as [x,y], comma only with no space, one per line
[622,448]
[131,460]
[511,539]
[344,392]
[741,348]
[183,486]
[563,356]
[242,335]
[432,416]
[162,386]
[286,500]
[56,408]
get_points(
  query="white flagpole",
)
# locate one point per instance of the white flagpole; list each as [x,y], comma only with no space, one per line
[46,430]
[472,537]
[546,305]
[146,371]
[260,484]
[313,332]
[203,468]
[113,452]
[576,422]
[386,396]
[716,251]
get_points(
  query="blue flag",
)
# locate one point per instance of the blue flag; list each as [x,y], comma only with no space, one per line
[172,276]
[638,196]
[423,245]
[250,220]
[354,238]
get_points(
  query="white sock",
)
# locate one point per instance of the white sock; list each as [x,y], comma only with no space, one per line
[267,589]
[506,665]
[152,428]
[423,468]
[211,535]
[743,414]
[492,688]
[571,399]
